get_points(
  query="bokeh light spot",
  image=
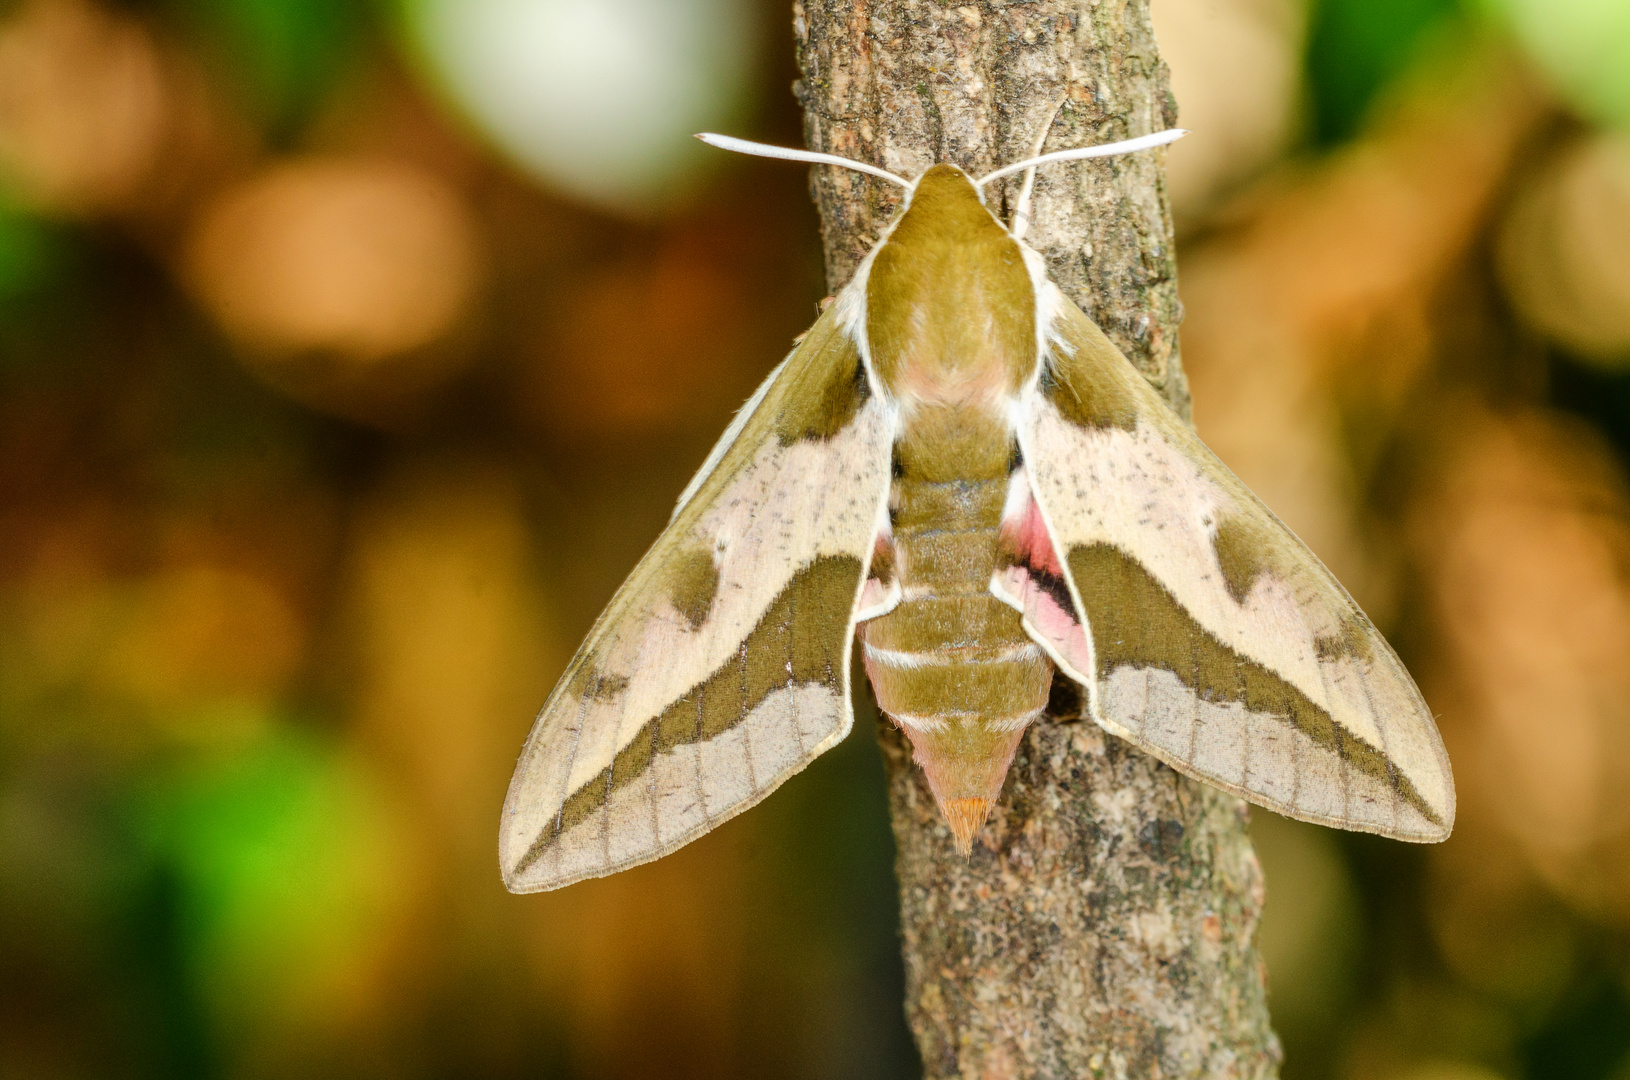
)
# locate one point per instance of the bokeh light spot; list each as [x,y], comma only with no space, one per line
[598,97]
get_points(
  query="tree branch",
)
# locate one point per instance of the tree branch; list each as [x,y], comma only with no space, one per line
[1107,929]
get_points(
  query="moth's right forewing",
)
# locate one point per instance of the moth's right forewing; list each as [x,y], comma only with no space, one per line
[721,667]
[1219,642]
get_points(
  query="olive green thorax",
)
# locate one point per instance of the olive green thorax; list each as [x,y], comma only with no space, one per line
[950,309]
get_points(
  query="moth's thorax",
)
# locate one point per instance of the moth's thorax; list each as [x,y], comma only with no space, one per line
[950,306]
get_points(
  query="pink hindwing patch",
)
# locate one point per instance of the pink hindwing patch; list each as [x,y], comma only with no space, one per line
[1030,578]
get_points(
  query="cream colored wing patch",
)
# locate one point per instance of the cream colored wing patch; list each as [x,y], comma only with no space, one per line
[1220,643]
[722,665]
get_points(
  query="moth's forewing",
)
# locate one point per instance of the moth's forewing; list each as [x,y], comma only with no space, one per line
[1219,642]
[721,666]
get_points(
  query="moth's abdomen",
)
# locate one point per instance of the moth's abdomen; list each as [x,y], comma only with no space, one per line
[951,664]
[939,656]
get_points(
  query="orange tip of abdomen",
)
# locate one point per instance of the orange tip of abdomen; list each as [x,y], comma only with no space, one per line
[965,816]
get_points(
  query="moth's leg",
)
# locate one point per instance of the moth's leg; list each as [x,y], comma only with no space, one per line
[1066,700]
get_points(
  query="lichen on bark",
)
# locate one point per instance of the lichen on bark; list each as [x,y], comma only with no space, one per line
[1104,925]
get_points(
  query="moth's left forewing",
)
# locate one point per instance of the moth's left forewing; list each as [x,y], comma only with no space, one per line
[1218,641]
[721,667]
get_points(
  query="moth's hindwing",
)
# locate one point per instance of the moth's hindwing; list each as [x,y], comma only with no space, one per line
[1215,639]
[721,666]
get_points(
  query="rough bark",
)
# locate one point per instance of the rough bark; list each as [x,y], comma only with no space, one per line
[1104,925]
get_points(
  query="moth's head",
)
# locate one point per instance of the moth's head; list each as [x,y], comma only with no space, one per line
[946,187]
[950,199]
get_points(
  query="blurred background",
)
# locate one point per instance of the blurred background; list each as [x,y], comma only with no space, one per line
[351,352]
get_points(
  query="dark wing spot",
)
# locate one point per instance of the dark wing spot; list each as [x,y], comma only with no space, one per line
[1240,555]
[693,582]
[592,684]
[1353,641]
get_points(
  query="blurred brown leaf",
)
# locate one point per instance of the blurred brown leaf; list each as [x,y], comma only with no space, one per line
[82,105]
[644,344]
[1334,272]
[648,964]
[455,645]
[1236,74]
[364,259]
[1564,249]
[1523,543]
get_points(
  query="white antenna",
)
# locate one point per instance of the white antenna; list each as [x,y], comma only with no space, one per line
[1127,146]
[787,153]
[1022,210]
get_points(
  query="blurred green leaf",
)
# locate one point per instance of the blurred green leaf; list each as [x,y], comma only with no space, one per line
[279,853]
[282,55]
[28,252]
[1583,45]
[1355,47]
[1588,1038]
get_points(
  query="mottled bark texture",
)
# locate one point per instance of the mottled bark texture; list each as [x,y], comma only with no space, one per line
[1104,925]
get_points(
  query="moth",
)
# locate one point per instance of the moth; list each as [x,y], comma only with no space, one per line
[957,468]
